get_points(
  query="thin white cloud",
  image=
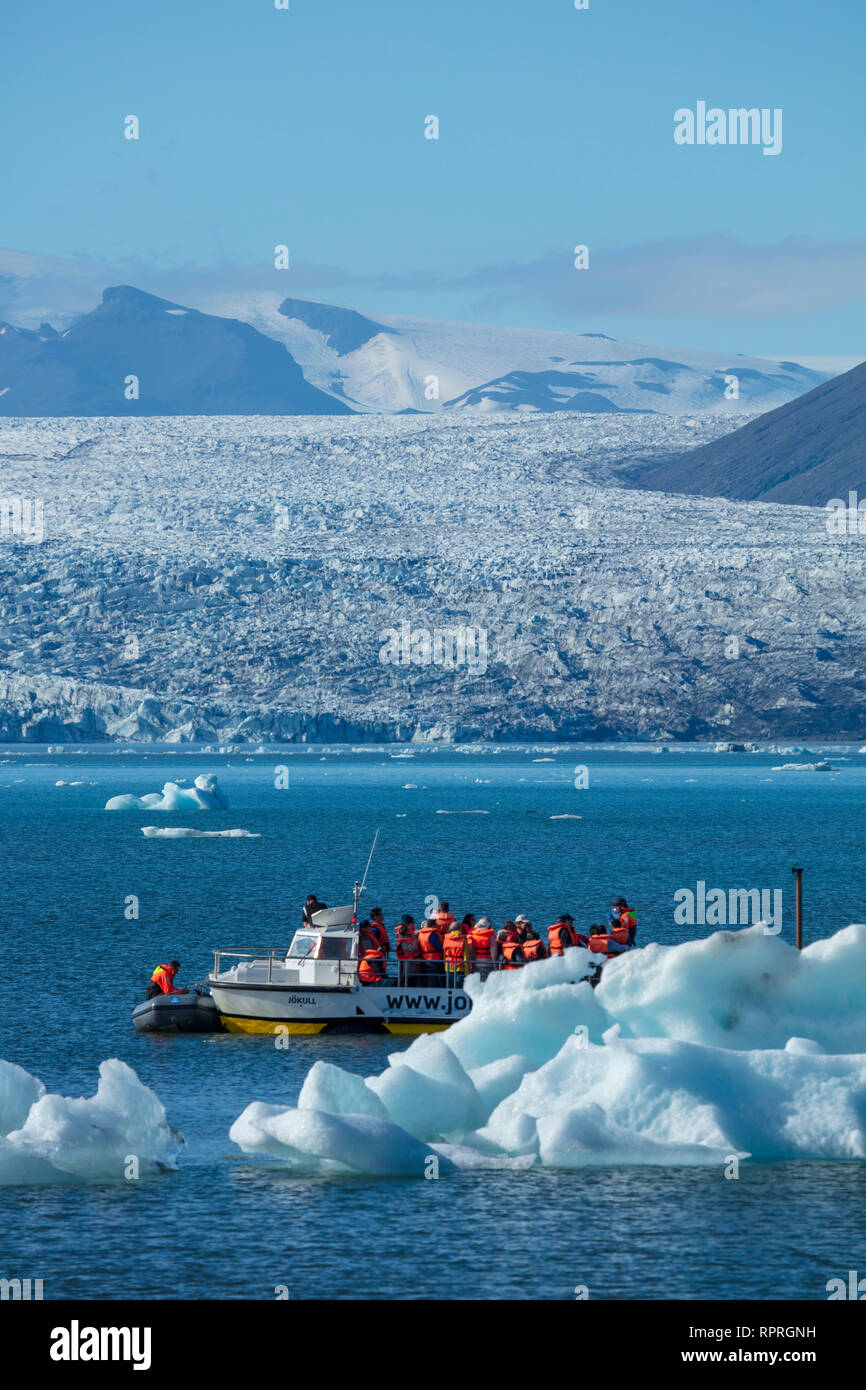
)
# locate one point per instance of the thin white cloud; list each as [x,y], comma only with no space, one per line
[709,277]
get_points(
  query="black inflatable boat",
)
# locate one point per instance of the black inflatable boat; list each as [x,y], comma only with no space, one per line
[177,1013]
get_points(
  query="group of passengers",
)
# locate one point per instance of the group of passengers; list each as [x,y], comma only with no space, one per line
[442,951]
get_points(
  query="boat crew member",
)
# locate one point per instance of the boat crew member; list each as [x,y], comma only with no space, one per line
[445,918]
[430,943]
[533,946]
[311,906]
[457,948]
[562,934]
[377,922]
[485,945]
[162,981]
[371,966]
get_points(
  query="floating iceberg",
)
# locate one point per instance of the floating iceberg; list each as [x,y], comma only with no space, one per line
[48,1138]
[733,1045]
[185,832]
[204,795]
[824,766]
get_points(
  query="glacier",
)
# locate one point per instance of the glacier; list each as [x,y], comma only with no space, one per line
[225,581]
[733,1047]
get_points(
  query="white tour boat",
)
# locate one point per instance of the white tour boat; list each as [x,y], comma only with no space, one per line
[313,987]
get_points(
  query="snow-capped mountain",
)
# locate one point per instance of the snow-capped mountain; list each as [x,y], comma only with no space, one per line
[139,355]
[808,452]
[394,364]
[266,354]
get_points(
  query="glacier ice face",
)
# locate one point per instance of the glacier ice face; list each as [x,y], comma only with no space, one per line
[608,612]
[46,1138]
[204,795]
[736,1045]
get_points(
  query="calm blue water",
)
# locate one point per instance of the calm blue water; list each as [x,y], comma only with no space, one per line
[225,1227]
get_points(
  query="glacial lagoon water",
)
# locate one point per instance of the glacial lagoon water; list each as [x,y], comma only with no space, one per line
[500,832]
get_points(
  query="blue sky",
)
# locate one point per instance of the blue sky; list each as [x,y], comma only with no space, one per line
[306,126]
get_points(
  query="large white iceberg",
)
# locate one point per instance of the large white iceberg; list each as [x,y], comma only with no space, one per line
[47,1138]
[733,1045]
[204,795]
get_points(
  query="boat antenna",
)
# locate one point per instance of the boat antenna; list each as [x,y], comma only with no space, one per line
[369,861]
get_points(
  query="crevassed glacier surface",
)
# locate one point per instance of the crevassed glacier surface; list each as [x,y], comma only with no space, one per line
[230,579]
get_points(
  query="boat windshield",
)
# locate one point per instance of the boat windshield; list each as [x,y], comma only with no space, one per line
[335,948]
[321,947]
[303,945]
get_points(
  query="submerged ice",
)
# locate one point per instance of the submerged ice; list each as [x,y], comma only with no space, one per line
[46,1138]
[736,1044]
[203,795]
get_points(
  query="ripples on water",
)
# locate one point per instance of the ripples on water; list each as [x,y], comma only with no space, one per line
[225,1227]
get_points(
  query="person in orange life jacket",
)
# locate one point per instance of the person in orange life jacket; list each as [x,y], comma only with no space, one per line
[521,922]
[371,967]
[430,944]
[368,938]
[507,933]
[512,954]
[408,951]
[533,946]
[162,981]
[377,922]
[605,943]
[444,918]
[485,945]
[562,934]
[406,936]
[621,915]
[457,949]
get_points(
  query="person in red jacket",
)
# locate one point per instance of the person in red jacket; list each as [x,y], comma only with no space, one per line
[162,981]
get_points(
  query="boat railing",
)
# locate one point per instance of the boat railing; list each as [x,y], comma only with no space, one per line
[406,974]
[269,954]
